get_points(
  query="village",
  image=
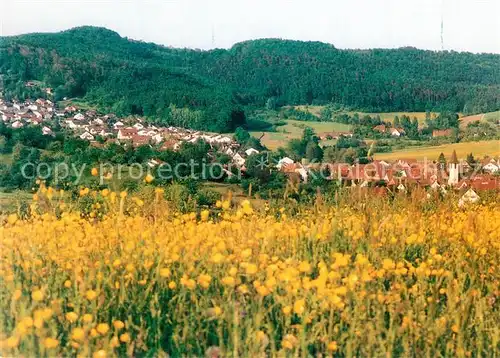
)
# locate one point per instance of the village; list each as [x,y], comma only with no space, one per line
[378,176]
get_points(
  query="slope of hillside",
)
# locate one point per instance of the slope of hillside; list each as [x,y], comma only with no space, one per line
[478,149]
[128,76]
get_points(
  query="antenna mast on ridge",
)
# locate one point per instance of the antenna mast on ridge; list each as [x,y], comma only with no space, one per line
[213,37]
[442,24]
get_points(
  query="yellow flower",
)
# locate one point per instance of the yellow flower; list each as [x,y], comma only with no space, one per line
[12,342]
[305,267]
[287,310]
[165,272]
[123,194]
[388,264]
[289,341]
[229,281]
[217,258]
[263,291]
[17,295]
[215,311]
[71,316]
[115,342]
[94,172]
[78,334]
[118,324]
[12,218]
[260,335]
[243,289]
[50,343]
[87,318]
[204,280]
[251,269]
[91,295]
[125,337]
[189,283]
[102,328]
[332,346]
[149,178]
[67,283]
[299,307]
[204,215]
[37,295]
[226,205]
[99,354]
[172,285]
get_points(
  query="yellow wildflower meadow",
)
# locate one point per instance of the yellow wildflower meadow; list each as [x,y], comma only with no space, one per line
[364,279]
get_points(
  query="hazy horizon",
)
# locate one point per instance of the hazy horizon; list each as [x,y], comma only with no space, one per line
[468,25]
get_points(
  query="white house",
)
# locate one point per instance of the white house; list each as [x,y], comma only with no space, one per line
[71,124]
[238,159]
[87,136]
[284,161]
[491,167]
[157,138]
[303,173]
[118,125]
[79,117]
[395,132]
[46,131]
[469,197]
[138,126]
[17,124]
[226,140]
[251,151]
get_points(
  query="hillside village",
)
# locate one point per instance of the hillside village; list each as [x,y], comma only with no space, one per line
[380,176]
[100,129]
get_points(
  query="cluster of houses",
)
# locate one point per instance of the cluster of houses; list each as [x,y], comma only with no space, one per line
[400,175]
[101,129]
[395,132]
[404,175]
[38,113]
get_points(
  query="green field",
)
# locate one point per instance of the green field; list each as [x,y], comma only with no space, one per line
[5,158]
[384,116]
[293,129]
[10,202]
[478,149]
[492,116]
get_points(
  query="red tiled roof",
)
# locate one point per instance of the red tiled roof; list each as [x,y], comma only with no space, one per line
[442,132]
[380,128]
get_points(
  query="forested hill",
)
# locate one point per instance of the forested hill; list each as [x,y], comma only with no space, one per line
[128,76]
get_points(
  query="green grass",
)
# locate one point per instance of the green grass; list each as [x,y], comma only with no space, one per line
[6,158]
[78,103]
[492,116]
[293,129]
[384,116]
[10,202]
[478,149]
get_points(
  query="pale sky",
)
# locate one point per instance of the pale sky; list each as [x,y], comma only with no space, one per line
[469,25]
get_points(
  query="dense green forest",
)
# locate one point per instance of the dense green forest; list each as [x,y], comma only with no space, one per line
[213,89]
